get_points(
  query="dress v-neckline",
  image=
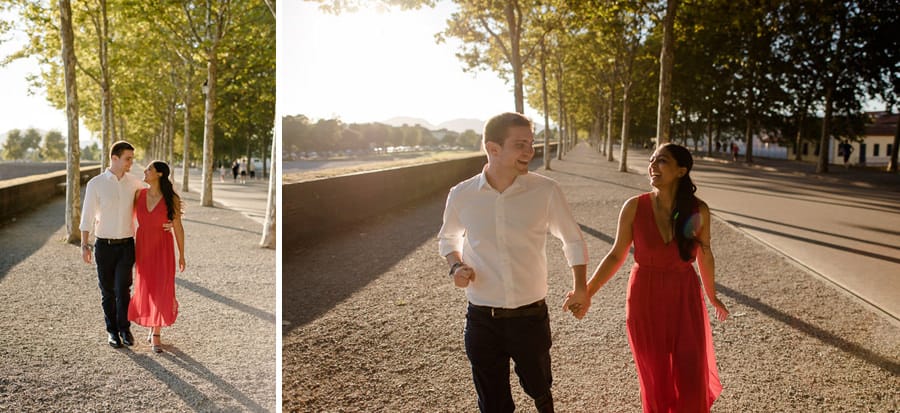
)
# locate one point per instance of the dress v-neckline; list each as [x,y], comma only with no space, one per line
[147,199]
[656,224]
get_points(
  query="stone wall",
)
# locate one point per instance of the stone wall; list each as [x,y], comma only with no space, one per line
[20,194]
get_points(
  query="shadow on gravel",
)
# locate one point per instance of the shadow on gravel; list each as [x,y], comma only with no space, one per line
[319,274]
[224,226]
[30,231]
[185,390]
[818,333]
[205,292]
[193,366]
[636,188]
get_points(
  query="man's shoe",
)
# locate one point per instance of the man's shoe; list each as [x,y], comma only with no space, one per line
[113,340]
[127,338]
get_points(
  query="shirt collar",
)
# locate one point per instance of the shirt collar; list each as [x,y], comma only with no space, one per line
[518,184]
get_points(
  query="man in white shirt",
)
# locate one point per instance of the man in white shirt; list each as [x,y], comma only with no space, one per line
[494,237]
[108,213]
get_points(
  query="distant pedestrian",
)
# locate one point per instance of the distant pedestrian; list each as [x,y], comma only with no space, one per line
[235,167]
[845,149]
[243,168]
[718,146]
[252,170]
[734,151]
[221,171]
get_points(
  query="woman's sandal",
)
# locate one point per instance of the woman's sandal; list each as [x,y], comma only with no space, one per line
[156,348]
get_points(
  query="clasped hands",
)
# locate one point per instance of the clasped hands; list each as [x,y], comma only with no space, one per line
[578,302]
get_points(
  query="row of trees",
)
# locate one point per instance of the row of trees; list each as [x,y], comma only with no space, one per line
[300,134]
[129,70]
[34,147]
[641,69]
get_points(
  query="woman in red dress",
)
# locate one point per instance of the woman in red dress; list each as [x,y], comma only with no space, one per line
[153,303]
[666,319]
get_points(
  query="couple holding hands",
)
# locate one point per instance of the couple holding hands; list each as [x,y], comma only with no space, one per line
[494,237]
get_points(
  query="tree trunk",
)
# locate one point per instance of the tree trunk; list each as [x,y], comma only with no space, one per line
[269,235]
[513,22]
[206,198]
[748,141]
[609,124]
[170,142]
[825,139]
[666,63]
[186,155]
[546,151]
[709,134]
[73,160]
[798,144]
[892,164]
[623,152]
[559,98]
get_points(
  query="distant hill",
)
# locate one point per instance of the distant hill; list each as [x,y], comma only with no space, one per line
[462,125]
[405,120]
[455,125]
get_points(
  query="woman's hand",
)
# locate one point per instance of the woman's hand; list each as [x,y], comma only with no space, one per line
[181,263]
[577,305]
[721,310]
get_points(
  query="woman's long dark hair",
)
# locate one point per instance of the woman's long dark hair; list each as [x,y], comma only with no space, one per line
[685,215]
[165,186]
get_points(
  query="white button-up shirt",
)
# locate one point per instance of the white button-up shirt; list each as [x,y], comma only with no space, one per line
[109,205]
[503,237]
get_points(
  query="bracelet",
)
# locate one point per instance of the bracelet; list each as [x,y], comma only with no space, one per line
[88,246]
[455,266]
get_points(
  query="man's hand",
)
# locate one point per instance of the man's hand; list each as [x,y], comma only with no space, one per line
[463,275]
[578,303]
[87,253]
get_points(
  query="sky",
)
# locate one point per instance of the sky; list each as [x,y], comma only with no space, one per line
[371,65]
[18,108]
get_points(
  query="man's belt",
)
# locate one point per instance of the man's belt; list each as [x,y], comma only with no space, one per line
[118,241]
[534,309]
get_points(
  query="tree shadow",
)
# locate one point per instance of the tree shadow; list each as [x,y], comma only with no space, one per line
[319,274]
[205,292]
[842,248]
[805,229]
[186,391]
[813,331]
[30,231]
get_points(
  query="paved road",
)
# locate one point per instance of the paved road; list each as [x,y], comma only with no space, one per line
[842,226]
[249,199]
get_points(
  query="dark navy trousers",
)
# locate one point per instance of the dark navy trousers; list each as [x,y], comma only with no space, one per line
[492,342]
[114,272]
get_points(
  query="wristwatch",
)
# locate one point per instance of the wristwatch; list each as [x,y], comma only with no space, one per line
[454,267]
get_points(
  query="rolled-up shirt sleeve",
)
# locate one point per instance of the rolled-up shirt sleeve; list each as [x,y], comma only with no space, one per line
[450,237]
[563,226]
[89,209]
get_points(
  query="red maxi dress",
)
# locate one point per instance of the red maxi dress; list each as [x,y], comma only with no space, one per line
[668,327]
[153,303]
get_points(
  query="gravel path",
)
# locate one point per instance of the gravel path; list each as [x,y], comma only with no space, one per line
[219,355]
[371,323]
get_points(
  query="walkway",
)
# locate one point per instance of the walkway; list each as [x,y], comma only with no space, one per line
[373,324]
[219,355]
